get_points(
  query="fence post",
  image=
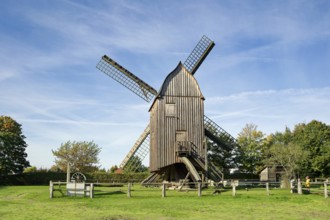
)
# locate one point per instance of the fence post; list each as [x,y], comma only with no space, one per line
[199,189]
[299,187]
[164,190]
[291,185]
[234,188]
[129,190]
[91,191]
[325,189]
[267,188]
[68,169]
[51,189]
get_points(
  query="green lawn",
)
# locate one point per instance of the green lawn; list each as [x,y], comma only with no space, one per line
[32,202]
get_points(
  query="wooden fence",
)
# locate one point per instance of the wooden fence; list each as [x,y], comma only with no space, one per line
[88,189]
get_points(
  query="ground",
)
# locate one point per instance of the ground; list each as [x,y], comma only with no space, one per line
[33,202]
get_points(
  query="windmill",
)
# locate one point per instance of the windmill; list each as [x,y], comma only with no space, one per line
[175,138]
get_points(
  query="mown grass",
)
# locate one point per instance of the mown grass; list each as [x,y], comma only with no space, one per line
[32,202]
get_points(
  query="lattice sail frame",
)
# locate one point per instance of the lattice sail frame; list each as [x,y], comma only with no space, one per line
[126,78]
[214,131]
[137,158]
[140,150]
[199,53]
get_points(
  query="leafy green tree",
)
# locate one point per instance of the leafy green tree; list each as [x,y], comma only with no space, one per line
[252,144]
[32,169]
[290,156]
[113,169]
[221,157]
[12,147]
[221,149]
[314,137]
[56,169]
[82,156]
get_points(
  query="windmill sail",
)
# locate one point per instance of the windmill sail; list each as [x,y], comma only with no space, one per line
[219,135]
[138,152]
[198,55]
[126,78]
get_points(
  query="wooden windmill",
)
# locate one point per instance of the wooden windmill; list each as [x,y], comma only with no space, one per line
[176,137]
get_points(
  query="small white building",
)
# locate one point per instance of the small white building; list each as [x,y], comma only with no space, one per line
[272,173]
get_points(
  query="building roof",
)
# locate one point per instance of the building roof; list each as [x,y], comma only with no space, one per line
[183,91]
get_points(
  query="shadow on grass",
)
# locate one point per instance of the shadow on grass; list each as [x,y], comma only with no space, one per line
[3,187]
[97,193]
[104,193]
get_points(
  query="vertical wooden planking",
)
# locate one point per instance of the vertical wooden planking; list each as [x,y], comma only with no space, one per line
[179,88]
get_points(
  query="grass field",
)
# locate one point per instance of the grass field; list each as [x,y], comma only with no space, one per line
[32,202]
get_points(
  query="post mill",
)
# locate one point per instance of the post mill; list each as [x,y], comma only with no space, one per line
[176,136]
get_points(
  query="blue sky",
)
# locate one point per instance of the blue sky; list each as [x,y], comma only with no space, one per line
[270,66]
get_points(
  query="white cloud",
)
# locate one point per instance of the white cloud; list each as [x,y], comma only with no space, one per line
[271,110]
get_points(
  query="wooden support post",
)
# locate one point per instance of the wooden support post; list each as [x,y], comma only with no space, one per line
[129,190]
[325,189]
[299,187]
[91,191]
[164,190]
[199,189]
[51,189]
[267,188]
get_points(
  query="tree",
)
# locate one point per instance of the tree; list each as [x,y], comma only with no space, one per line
[12,147]
[289,156]
[252,145]
[32,169]
[314,137]
[305,150]
[82,156]
[223,158]
[221,149]
[113,169]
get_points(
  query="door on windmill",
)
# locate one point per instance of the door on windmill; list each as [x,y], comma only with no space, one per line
[183,147]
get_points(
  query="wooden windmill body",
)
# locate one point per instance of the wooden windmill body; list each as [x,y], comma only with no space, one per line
[176,123]
[175,138]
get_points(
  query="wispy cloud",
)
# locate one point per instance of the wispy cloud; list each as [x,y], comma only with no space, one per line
[272,110]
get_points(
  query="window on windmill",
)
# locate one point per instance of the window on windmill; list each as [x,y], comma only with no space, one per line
[170,110]
[181,136]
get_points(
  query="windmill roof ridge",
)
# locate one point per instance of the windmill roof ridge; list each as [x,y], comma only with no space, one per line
[176,70]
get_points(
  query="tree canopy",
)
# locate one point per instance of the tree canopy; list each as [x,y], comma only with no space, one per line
[82,156]
[303,151]
[12,147]
[252,145]
[221,157]
[289,156]
[314,138]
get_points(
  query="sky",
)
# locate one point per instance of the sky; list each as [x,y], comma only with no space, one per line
[270,66]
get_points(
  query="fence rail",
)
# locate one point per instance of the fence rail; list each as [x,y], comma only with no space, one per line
[235,186]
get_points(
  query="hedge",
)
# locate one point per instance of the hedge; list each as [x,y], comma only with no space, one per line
[43,178]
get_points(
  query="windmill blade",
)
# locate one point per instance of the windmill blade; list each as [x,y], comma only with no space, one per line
[219,135]
[138,152]
[198,55]
[126,78]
